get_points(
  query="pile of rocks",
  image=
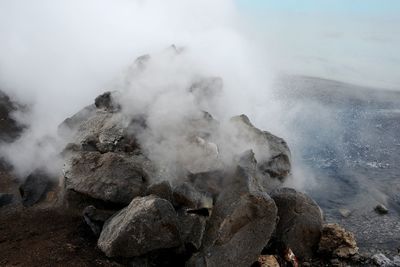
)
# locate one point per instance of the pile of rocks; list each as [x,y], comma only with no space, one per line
[221,217]
[235,214]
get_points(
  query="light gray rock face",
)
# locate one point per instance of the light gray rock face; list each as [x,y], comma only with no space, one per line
[110,177]
[300,222]
[147,224]
[241,223]
[272,153]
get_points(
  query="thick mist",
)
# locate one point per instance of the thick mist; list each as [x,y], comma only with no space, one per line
[57,57]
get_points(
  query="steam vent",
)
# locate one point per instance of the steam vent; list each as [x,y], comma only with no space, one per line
[212,194]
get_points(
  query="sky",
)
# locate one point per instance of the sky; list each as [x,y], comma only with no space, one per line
[355,41]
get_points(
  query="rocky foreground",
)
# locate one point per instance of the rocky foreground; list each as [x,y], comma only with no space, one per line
[205,211]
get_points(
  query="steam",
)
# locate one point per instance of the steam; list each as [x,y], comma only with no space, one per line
[58,57]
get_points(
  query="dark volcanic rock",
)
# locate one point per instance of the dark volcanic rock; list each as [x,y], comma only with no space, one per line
[161,189]
[95,218]
[6,199]
[9,128]
[147,224]
[191,228]
[381,209]
[300,222]
[110,177]
[106,101]
[34,187]
[242,221]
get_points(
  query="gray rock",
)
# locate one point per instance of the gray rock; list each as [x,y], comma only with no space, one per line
[242,221]
[191,228]
[6,199]
[161,189]
[382,261]
[273,152]
[147,224]
[34,187]
[107,102]
[381,209]
[300,222]
[110,177]
[95,218]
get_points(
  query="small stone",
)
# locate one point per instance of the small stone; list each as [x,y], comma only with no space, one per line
[381,209]
[344,212]
[381,260]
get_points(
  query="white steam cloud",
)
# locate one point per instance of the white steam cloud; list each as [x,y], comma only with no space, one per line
[57,56]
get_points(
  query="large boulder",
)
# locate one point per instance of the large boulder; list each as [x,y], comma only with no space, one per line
[241,223]
[147,224]
[110,177]
[300,222]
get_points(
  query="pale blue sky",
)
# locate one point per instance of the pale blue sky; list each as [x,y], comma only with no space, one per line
[352,40]
[367,7]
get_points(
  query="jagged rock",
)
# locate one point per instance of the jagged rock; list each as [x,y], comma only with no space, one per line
[337,241]
[191,228]
[34,187]
[161,189]
[72,123]
[147,224]
[107,102]
[381,209]
[382,261]
[101,130]
[6,199]
[187,197]
[95,218]
[9,128]
[272,151]
[300,222]
[242,221]
[110,177]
